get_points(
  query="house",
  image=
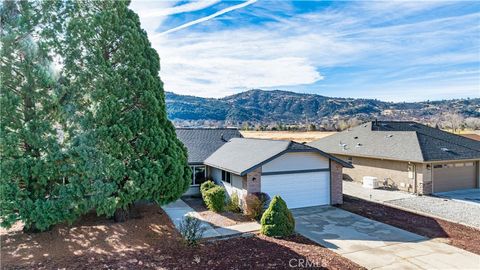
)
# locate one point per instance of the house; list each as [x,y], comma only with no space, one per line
[407,156]
[302,175]
[200,144]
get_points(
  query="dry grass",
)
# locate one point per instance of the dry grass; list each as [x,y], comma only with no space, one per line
[298,136]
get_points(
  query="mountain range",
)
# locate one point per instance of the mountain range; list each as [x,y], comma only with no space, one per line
[261,106]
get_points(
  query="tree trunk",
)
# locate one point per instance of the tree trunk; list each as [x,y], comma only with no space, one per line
[121,215]
[33,229]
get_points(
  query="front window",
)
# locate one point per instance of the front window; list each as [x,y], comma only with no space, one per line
[199,175]
[226,177]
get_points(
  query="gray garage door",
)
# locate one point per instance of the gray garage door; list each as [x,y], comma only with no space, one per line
[453,176]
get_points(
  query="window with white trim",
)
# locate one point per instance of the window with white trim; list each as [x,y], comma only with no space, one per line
[199,174]
[226,177]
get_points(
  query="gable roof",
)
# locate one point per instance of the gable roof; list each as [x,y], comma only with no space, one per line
[241,155]
[202,142]
[409,141]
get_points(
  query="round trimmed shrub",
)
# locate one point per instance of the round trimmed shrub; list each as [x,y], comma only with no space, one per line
[214,198]
[277,221]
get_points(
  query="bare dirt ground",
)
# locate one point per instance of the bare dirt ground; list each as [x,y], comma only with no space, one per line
[457,235]
[298,136]
[152,242]
[224,219]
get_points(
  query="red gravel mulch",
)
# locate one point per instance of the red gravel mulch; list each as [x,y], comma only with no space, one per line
[152,242]
[457,235]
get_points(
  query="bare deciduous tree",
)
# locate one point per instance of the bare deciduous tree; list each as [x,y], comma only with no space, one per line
[472,123]
[453,121]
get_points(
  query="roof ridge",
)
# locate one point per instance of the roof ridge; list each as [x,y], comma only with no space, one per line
[452,142]
[419,145]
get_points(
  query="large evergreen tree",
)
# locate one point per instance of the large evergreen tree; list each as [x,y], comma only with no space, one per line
[112,71]
[43,180]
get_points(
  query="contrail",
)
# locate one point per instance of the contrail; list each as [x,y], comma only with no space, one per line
[216,14]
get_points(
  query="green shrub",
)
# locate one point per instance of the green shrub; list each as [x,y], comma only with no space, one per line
[214,198]
[191,229]
[234,203]
[207,185]
[277,221]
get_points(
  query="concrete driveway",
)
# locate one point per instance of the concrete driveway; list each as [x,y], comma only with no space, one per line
[376,245]
[465,195]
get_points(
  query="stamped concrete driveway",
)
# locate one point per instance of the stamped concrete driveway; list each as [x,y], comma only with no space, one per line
[376,245]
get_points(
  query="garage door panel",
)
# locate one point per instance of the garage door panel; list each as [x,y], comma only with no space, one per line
[453,178]
[299,190]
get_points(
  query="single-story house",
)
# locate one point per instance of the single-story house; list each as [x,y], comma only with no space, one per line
[200,144]
[302,175]
[407,156]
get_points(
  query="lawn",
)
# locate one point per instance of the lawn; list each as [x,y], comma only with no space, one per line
[151,242]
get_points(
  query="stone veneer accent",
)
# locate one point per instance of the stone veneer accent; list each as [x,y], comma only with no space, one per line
[424,179]
[251,186]
[336,190]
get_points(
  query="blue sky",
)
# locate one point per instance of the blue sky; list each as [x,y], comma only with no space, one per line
[393,51]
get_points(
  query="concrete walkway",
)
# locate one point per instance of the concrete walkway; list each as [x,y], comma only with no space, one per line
[179,209]
[376,245]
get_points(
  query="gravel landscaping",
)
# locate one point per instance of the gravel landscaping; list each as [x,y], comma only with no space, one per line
[465,213]
[223,219]
[455,234]
[152,242]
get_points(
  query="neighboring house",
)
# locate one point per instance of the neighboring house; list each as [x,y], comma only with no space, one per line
[200,144]
[302,175]
[407,156]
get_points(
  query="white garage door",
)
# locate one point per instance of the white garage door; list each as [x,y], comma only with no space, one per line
[299,189]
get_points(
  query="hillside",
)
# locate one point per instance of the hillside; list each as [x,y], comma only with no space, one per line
[259,106]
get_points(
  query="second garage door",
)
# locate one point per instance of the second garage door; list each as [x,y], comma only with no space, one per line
[453,176]
[299,189]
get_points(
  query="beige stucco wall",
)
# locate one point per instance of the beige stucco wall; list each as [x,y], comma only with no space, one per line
[394,173]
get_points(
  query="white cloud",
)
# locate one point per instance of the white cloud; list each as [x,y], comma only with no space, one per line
[192,6]
[387,52]
[209,17]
